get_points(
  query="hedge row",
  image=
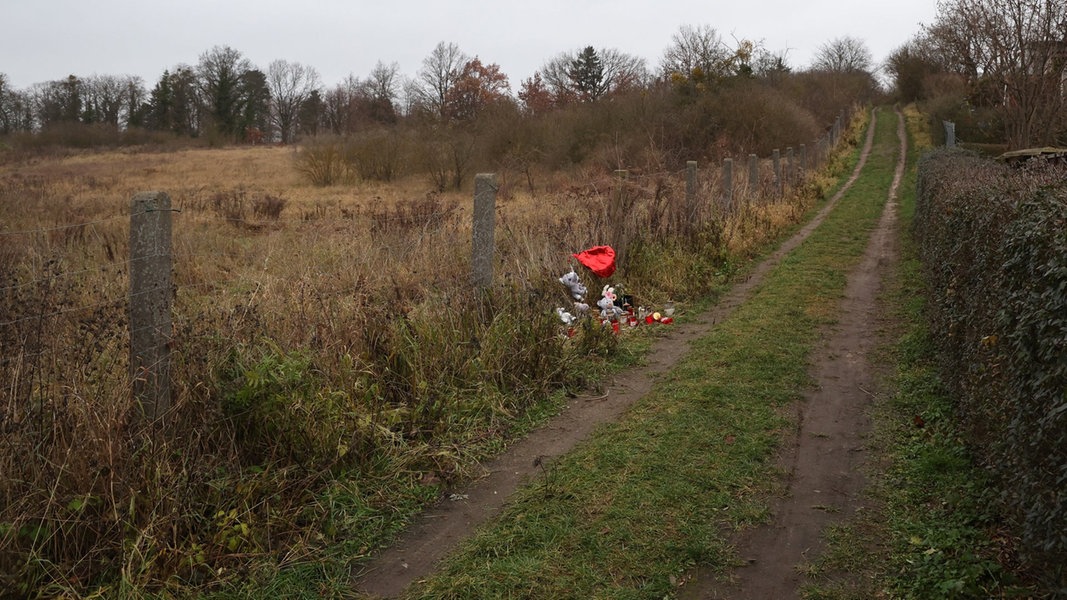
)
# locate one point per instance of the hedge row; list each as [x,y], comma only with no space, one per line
[993,242]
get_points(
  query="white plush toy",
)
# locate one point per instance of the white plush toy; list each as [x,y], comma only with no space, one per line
[565,316]
[608,310]
[572,282]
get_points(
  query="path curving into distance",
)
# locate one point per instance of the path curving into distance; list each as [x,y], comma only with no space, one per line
[823,462]
[441,528]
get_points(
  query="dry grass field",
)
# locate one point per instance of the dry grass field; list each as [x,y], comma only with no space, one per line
[328,350]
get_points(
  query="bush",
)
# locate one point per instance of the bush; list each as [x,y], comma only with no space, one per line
[268,206]
[322,161]
[994,246]
[379,154]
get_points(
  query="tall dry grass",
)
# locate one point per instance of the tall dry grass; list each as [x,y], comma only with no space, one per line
[324,337]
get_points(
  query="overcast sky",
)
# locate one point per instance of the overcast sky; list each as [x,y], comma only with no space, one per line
[43,40]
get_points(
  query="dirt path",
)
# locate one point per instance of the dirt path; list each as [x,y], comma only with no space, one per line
[440,529]
[824,459]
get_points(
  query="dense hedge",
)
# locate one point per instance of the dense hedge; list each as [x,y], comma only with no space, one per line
[993,241]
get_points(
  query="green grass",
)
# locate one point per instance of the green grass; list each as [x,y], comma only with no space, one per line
[631,511]
[929,531]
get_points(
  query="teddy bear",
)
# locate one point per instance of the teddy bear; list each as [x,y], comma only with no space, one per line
[567,318]
[574,284]
[608,309]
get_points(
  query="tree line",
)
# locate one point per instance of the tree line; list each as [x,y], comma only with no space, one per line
[225,95]
[998,68]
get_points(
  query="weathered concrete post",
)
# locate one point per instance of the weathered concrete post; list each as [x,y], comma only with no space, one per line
[483,243]
[728,183]
[753,175]
[790,166]
[950,134]
[150,302]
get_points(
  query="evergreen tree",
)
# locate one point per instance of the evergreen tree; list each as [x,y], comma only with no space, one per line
[222,72]
[586,73]
[172,104]
[255,103]
[161,105]
[310,118]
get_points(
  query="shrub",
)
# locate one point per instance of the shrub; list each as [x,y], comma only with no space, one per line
[762,118]
[229,205]
[994,246]
[268,206]
[280,409]
[322,161]
[379,154]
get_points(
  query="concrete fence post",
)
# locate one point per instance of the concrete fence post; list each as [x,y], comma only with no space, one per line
[151,291]
[950,134]
[483,242]
[790,166]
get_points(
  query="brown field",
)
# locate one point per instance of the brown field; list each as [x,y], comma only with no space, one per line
[317,331]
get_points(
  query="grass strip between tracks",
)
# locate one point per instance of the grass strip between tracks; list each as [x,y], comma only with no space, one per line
[633,509]
[931,530]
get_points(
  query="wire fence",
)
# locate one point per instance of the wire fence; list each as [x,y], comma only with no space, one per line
[57,311]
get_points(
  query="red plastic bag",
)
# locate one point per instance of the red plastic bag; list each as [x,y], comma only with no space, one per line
[599,259]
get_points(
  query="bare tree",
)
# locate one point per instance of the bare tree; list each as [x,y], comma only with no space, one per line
[339,105]
[1017,51]
[771,65]
[58,101]
[382,89]
[556,78]
[623,71]
[439,73]
[384,82]
[290,85]
[7,105]
[698,51]
[844,55]
[411,96]
[590,74]
[16,111]
[912,65]
[135,97]
[103,99]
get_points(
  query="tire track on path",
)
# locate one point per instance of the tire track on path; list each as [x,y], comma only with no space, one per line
[823,461]
[441,528]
